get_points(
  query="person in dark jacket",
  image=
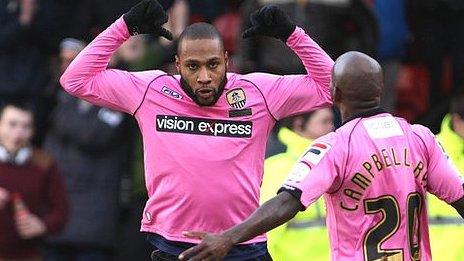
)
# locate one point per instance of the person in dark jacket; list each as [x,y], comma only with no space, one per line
[33,199]
[91,145]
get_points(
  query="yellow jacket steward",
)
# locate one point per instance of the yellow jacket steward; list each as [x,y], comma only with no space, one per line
[446,226]
[304,237]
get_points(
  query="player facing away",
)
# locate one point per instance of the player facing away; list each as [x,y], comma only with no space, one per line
[374,173]
[204,130]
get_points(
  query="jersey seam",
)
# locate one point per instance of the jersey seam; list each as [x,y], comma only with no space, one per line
[145,94]
[347,156]
[264,98]
[428,157]
[423,142]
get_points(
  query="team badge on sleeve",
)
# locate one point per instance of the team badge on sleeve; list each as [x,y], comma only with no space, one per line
[236,98]
[316,151]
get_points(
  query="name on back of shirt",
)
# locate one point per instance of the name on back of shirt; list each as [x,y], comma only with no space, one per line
[373,167]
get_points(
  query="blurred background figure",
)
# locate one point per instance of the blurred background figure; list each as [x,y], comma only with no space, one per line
[445,223]
[392,44]
[290,242]
[33,201]
[440,47]
[92,146]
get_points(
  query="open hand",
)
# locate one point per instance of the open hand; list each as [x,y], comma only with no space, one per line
[30,226]
[212,247]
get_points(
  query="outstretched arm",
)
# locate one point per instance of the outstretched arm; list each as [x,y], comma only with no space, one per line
[271,214]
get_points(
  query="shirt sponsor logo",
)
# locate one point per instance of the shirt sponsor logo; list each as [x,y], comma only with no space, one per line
[315,153]
[201,126]
[240,113]
[236,98]
[383,127]
[171,93]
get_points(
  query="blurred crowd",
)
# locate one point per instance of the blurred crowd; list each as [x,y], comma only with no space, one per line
[97,151]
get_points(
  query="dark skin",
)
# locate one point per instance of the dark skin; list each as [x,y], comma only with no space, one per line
[202,63]
[356,87]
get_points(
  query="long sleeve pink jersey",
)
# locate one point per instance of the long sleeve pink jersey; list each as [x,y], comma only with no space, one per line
[374,173]
[203,165]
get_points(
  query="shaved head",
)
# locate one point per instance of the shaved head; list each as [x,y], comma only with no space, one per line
[357,81]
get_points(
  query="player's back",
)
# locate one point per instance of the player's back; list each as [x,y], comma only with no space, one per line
[377,211]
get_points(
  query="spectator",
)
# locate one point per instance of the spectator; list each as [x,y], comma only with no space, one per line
[445,223]
[33,202]
[186,118]
[91,145]
[289,241]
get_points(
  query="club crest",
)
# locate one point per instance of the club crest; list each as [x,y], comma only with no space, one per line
[236,98]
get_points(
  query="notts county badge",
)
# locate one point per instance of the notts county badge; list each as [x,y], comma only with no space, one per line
[236,98]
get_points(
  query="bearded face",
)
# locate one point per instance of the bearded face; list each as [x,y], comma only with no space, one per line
[202,64]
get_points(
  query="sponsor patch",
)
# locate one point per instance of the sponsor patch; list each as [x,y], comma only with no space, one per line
[236,98]
[298,173]
[201,126]
[316,151]
[171,93]
[240,113]
[383,127]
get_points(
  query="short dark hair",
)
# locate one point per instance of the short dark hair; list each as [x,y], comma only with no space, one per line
[19,104]
[199,31]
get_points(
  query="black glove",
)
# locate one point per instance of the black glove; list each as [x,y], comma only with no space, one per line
[147,17]
[270,21]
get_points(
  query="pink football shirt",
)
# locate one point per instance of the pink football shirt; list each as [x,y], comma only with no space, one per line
[374,173]
[203,164]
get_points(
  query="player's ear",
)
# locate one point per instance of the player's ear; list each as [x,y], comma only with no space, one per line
[177,62]
[336,95]
[226,58]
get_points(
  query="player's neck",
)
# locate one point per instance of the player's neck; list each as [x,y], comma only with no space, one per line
[348,114]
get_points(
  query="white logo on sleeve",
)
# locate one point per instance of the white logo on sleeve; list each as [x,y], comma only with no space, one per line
[315,153]
[171,93]
[383,127]
[298,173]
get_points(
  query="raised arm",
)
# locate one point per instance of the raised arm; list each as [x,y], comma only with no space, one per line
[87,77]
[292,94]
[271,214]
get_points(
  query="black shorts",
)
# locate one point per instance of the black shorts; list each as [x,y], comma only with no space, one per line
[158,255]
